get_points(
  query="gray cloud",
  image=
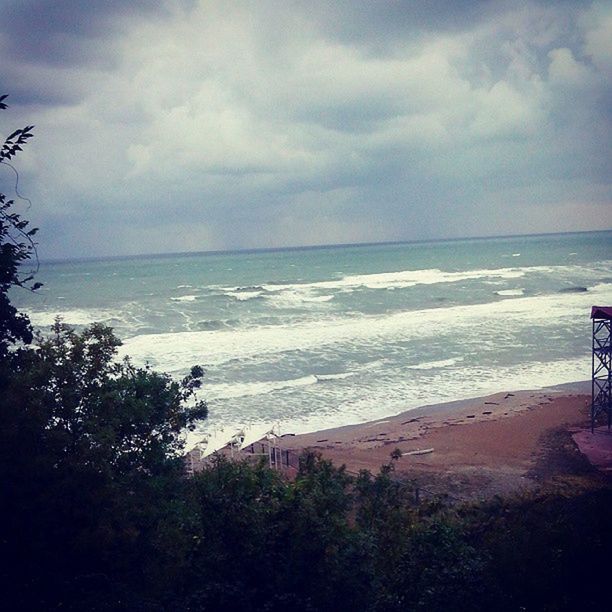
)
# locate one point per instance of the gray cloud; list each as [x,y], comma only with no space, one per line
[208,125]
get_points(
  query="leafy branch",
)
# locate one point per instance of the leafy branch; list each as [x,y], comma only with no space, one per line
[16,240]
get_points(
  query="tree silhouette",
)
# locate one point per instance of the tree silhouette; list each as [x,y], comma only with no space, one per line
[17,246]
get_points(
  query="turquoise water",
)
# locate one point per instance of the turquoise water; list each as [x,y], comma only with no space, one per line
[310,338]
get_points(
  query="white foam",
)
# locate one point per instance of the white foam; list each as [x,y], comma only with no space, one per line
[295,295]
[330,377]
[296,298]
[320,298]
[242,296]
[185,298]
[510,292]
[176,351]
[47,318]
[410,278]
[432,365]
[384,401]
[402,279]
[235,390]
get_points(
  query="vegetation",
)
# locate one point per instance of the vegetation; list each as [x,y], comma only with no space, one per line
[97,514]
[16,248]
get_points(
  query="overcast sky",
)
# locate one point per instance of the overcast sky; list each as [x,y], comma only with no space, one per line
[192,125]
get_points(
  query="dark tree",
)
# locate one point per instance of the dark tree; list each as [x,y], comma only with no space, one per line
[16,248]
[90,466]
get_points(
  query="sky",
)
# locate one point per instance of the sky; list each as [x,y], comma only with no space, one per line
[193,125]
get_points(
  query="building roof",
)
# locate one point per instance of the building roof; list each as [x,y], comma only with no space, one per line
[601,312]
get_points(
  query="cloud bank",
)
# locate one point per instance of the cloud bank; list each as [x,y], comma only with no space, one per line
[199,125]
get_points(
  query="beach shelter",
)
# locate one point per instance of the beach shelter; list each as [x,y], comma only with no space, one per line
[218,439]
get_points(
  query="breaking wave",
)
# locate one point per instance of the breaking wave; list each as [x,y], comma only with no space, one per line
[175,350]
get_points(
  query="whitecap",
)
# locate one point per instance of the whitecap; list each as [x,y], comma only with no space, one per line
[242,296]
[330,377]
[72,317]
[402,279]
[320,298]
[247,389]
[431,365]
[185,298]
[297,297]
[510,292]
[176,351]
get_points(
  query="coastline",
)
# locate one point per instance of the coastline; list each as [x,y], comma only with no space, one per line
[486,445]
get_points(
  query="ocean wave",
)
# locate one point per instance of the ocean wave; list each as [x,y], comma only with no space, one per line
[402,279]
[510,292]
[214,324]
[286,294]
[405,279]
[280,296]
[235,390]
[248,289]
[47,318]
[432,365]
[243,296]
[185,298]
[319,298]
[388,399]
[602,286]
[406,392]
[332,377]
[222,391]
[176,351]
[296,298]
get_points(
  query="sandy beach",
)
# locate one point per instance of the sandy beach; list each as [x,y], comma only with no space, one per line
[489,445]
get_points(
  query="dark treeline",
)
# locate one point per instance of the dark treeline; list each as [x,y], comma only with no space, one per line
[97,513]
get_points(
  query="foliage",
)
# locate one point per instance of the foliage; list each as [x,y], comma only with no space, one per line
[111,415]
[16,247]
[90,464]
[98,521]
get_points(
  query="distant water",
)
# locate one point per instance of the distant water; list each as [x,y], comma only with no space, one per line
[313,338]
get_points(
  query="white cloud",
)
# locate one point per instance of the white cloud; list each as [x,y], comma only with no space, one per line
[565,70]
[503,111]
[598,37]
[267,107]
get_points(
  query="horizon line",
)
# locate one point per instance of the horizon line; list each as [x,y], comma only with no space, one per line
[307,247]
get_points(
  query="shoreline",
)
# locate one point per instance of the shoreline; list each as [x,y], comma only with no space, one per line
[493,444]
[440,409]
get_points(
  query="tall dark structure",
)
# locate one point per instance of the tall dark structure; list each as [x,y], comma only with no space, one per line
[602,363]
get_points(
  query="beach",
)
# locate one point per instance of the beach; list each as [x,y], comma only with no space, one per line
[496,444]
[309,339]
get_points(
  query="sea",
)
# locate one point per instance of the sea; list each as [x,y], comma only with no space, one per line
[309,338]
